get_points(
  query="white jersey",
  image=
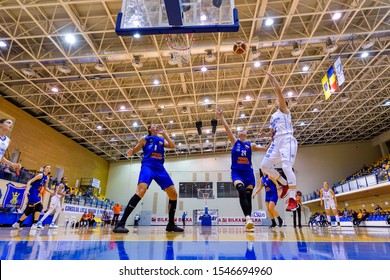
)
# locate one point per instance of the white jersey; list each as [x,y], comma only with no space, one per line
[281,123]
[4,143]
[328,199]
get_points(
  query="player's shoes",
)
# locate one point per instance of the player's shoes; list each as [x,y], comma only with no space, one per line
[173,228]
[284,192]
[120,229]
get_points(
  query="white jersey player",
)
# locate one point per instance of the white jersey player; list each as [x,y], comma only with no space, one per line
[5,126]
[329,201]
[283,148]
[55,204]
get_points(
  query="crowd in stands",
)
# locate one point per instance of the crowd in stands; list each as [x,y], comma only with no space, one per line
[380,168]
[378,214]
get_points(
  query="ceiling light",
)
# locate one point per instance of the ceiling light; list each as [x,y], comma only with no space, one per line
[239,128]
[269,22]
[99,127]
[242,115]
[64,69]
[203,69]
[136,35]
[85,118]
[296,49]
[365,54]
[207,130]
[137,62]
[206,101]
[255,53]
[55,89]
[368,44]
[203,17]
[135,124]
[159,112]
[344,97]
[2,44]
[248,98]
[305,68]
[290,94]
[110,116]
[100,67]
[173,134]
[257,64]
[207,141]
[156,82]
[210,57]
[330,46]
[315,110]
[179,144]
[70,39]
[302,124]
[29,72]
[171,121]
[336,16]
[122,108]
[387,103]
[162,107]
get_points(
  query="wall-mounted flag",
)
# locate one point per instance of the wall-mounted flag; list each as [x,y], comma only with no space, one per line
[332,79]
[325,87]
[338,67]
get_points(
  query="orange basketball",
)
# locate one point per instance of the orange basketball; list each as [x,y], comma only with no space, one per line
[239,47]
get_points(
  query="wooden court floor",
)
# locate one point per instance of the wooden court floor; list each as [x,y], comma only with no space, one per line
[196,243]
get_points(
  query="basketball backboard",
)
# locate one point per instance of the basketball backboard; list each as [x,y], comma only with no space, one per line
[150,17]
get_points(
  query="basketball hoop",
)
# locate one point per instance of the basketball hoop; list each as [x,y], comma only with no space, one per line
[205,194]
[180,46]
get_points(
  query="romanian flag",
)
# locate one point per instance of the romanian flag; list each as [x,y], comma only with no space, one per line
[332,80]
[325,87]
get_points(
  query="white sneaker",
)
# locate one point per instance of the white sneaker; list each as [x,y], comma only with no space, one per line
[34,226]
[249,225]
[16,225]
[39,225]
[53,225]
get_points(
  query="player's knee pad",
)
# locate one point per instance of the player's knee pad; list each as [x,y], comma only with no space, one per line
[249,192]
[38,207]
[287,167]
[241,190]
[29,210]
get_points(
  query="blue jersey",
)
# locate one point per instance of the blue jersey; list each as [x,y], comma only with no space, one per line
[270,187]
[35,189]
[242,156]
[153,150]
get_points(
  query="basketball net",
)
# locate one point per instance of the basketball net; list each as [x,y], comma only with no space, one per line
[180,46]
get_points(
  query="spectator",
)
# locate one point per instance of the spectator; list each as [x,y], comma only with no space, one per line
[298,210]
[84,221]
[364,215]
[106,218]
[183,218]
[117,210]
[378,210]
[137,218]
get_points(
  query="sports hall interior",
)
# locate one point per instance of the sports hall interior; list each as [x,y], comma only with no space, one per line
[79,103]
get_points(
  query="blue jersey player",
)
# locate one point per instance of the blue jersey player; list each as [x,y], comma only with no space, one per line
[271,197]
[33,196]
[241,168]
[152,169]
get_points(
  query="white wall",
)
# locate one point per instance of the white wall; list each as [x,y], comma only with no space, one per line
[314,165]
